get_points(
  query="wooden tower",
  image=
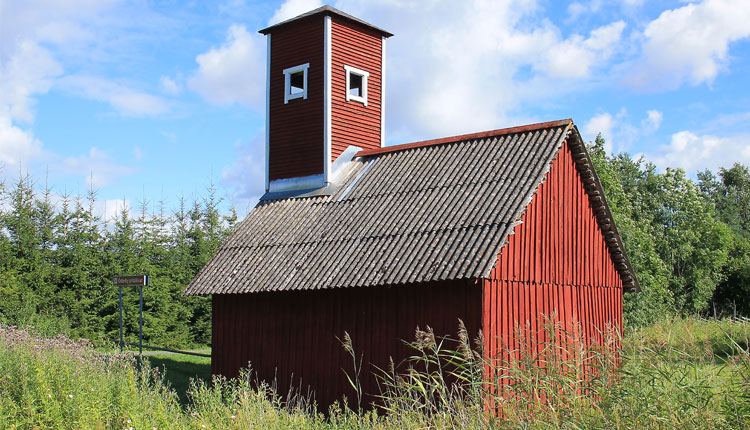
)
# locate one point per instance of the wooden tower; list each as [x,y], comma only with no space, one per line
[325,92]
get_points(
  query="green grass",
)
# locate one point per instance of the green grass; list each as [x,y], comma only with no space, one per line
[679,373]
[180,369]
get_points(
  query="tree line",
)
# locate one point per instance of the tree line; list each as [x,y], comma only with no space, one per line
[688,240]
[58,258]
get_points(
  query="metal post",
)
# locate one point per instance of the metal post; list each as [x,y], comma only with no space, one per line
[120,319]
[140,326]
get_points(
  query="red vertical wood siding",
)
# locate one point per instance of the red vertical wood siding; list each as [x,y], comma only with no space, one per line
[556,262]
[295,333]
[296,132]
[352,123]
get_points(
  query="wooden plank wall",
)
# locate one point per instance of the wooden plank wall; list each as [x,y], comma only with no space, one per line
[352,123]
[294,333]
[296,128]
[556,263]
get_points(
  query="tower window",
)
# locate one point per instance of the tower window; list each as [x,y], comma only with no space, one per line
[356,84]
[295,82]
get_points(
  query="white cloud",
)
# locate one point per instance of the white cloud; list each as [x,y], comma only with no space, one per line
[576,56]
[109,210]
[291,8]
[578,9]
[483,63]
[689,44]
[30,70]
[34,35]
[40,41]
[97,167]
[16,145]
[737,120]
[602,123]
[687,150]
[693,152]
[618,131]
[233,72]
[246,174]
[652,122]
[124,99]
[137,153]
[171,137]
[575,10]
[170,86]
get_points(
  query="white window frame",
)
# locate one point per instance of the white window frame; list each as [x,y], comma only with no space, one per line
[353,70]
[288,82]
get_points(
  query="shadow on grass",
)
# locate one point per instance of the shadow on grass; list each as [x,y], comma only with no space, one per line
[180,369]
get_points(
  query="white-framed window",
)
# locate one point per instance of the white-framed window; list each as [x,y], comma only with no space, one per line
[356,84]
[295,82]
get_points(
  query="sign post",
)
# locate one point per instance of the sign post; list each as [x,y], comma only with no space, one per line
[133,281]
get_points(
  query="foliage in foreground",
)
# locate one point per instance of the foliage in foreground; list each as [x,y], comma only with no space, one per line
[677,374]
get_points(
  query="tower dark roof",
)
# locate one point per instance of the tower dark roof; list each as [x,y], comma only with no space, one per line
[324,10]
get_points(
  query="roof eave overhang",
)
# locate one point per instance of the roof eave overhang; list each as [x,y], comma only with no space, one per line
[325,11]
[598,200]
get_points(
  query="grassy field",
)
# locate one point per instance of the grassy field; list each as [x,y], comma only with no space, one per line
[680,373]
[180,369]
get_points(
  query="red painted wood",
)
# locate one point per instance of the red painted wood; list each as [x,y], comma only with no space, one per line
[352,123]
[295,332]
[296,128]
[556,262]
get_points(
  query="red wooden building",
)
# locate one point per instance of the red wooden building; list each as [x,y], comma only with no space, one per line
[496,228]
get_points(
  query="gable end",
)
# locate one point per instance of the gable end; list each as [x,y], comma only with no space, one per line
[596,201]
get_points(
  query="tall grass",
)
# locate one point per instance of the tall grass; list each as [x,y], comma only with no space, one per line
[677,374]
[686,374]
[60,383]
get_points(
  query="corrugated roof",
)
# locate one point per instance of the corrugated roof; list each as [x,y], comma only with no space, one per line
[423,212]
[325,10]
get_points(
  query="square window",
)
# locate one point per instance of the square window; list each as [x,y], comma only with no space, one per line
[356,84]
[295,82]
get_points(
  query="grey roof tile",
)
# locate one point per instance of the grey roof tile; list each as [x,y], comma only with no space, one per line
[417,213]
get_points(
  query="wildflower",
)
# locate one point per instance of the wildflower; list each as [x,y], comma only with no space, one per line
[233,417]
[203,426]
[70,396]
[49,395]
[128,421]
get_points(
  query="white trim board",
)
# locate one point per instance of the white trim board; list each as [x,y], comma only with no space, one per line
[327,99]
[382,97]
[288,82]
[362,98]
[268,107]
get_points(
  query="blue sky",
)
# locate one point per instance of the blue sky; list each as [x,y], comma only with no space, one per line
[158,100]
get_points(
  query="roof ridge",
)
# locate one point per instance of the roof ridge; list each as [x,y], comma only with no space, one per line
[463,137]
